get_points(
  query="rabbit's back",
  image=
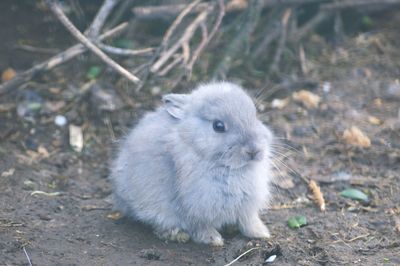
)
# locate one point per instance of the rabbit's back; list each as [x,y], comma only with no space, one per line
[143,175]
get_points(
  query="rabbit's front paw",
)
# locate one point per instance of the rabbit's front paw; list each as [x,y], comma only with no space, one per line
[254,228]
[209,236]
[174,234]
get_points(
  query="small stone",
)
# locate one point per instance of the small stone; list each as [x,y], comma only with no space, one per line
[392,91]
[29,185]
[301,131]
[326,87]
[60,120]
[150,254]
[155,91]
[44,217]
[270,259]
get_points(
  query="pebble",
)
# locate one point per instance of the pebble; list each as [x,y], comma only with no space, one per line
[270,259]
[60,120]
[155,91]
[326,87]
[392,91]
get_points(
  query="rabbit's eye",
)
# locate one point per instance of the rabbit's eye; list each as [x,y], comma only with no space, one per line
[219,126]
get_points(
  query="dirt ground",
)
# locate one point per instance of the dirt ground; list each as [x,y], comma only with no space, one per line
[73,224]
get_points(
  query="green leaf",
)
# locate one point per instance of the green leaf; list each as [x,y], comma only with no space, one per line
[93,72]
[353,193]
[293,223]
[34,106]
[302,220]
[297,222]
[367,21]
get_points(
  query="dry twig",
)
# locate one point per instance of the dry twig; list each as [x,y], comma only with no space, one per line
[85,41]
[94,29]
[252,18]
[27,256]
[124,52]
[33,49]
[165,70]
[55,61]
[241,255]
[100,19]
[356,3]
[176,22]
[282,40]
[167,11]
[206,37]
[185,38]
[307,27]
[303,60]
[271,36]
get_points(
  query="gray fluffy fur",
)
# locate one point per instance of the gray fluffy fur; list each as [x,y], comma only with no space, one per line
[176,173]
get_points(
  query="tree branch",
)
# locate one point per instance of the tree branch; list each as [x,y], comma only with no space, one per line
[54,61]
[85,41]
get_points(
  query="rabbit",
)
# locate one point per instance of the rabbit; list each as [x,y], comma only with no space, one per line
[199,162]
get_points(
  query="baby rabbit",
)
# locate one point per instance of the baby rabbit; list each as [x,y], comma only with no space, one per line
[199,162]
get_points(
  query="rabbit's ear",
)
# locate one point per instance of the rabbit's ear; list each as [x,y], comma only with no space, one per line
[174,104]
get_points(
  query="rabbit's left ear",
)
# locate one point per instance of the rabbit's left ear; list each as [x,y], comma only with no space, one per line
[174,104]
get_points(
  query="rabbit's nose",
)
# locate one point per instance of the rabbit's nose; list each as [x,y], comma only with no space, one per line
[252,153]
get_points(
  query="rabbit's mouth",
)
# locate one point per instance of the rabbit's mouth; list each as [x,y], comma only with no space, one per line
[239,161]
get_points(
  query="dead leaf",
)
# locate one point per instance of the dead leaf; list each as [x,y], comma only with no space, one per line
[279,103]
[55,90]
[114,216]
[8,74]
[308,99]
[5,107]
[397,226]
[93,207]
[374,120]
[54,106]
[317,194]
[8,173]
[396,219]
[237,5]
[378,102]
[43,151]
[76,138]
[356,137]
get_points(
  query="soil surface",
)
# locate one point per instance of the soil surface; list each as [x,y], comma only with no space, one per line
[55,202]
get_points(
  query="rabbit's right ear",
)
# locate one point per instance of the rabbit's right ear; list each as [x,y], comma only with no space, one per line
[174,104]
